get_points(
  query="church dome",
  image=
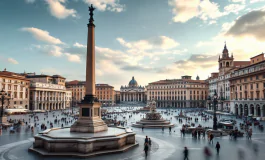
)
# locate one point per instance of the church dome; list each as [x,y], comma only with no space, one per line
[133,83]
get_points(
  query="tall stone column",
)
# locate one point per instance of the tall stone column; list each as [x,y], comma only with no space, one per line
[89,112]
[255,110]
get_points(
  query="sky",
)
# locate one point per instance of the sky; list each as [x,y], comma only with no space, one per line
[148,39]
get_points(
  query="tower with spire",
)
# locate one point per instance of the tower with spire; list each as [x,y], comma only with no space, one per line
[226,62]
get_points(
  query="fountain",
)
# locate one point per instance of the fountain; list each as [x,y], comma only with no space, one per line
[153,119]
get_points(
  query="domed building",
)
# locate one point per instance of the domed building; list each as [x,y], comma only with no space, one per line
[132,93]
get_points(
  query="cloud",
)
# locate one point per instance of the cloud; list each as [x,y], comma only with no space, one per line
[249,25]
[29,1]
[73,57]
[184,10]
[212,22]
[238,1]
[78,45]
[12,61]
[58,10]
[161,42]
[103,5]
[42,35]
[255,1]
[234,8]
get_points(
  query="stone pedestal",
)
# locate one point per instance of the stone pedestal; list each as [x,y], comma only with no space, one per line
[89,119]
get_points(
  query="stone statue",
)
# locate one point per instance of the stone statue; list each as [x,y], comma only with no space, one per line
[152,106]
[91,9]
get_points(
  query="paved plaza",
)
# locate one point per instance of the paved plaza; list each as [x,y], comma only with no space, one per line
[165,145]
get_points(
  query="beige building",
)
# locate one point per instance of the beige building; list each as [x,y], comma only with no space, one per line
[47,92]
[104,92]
[247,86]
[180,93]
[17,87]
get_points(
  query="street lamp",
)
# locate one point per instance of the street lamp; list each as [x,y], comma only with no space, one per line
[3,96]
[215,101]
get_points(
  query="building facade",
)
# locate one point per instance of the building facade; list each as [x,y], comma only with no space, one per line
[104,92]
[248,88]
[17,88]
[179,93]
[47,92]
[219,81]
[133,92]
[117,97]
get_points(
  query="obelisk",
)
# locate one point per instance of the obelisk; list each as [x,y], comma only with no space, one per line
[90,112]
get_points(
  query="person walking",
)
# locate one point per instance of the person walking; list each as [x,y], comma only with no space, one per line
[186,153]
[207,153]
[149,142]
[211,138]
[170,129]
[217,146]
[146,149]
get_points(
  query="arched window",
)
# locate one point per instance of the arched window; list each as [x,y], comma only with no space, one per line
[227,64]
[220,65]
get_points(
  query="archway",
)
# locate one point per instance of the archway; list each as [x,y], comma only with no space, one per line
[39,106]
[251,109]
[26,106]
[258,112]
[236,109]
[241,109]
[246,110]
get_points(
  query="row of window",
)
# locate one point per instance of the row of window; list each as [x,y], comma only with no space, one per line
[177,92]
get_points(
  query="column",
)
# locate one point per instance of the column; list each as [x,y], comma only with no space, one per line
[261,111]
[255,110]
[142,97]
[138,97]
[64,100]
[249,110]
[34,100]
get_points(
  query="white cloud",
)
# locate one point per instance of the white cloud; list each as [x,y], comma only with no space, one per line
[13,61]
[73,57]
[212,22]
[42,35]
[78,45]
[234,8]
[29,1]
[255,1]
[238,1]
[58,10]
[103,5]
[184,10]
[161,42]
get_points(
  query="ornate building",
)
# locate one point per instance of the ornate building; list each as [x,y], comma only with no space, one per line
[132,93]
[47,92]
[180,93]
[219,81]
[17,88]
[248,88]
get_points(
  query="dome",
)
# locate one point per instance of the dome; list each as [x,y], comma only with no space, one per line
[133,83]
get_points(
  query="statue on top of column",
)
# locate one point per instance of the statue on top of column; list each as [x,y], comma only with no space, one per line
[91,9]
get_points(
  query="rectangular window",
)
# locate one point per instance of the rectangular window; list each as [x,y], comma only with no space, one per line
[257,85]
[257,77]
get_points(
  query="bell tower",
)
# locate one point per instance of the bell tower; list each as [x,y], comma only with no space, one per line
[226,62]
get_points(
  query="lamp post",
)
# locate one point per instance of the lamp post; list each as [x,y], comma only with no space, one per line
[209,102]
[215,102]
[3,96]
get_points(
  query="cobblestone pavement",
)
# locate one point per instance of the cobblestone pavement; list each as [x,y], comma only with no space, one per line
[165,145]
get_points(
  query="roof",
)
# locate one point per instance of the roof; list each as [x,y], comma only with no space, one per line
[58,76]
[241,63]
[104,86]
[13,75]
[170,81]
[75,82]
[257,55]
